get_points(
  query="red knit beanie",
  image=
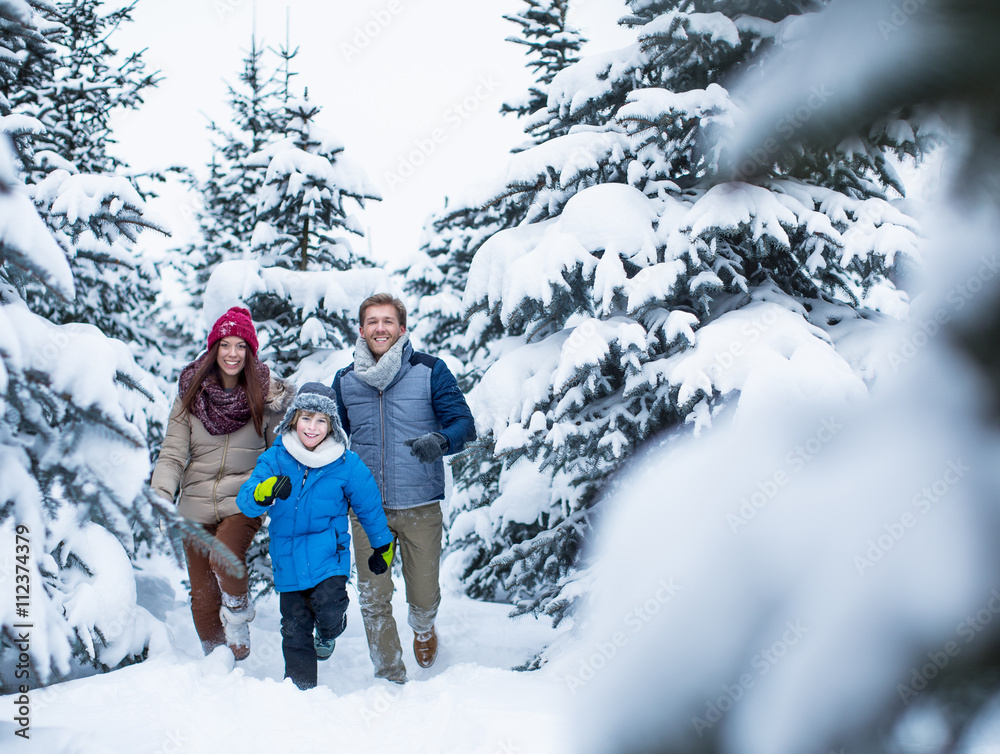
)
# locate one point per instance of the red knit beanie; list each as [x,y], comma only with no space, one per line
[236,322]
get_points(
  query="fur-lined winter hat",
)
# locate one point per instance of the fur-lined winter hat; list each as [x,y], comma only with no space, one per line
[316,397]
[235,322]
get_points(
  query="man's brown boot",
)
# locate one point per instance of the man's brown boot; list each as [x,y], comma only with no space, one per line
[425,647]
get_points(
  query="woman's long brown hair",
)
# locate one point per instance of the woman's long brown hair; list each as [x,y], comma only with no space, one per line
[249,378]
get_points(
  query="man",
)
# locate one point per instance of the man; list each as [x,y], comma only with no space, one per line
[403,412]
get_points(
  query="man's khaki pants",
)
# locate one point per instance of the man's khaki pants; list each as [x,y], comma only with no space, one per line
[418,540]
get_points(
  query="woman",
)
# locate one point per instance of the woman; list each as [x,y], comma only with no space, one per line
[227,408]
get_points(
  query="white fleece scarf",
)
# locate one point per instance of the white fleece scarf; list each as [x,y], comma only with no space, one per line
[379,373]
[326,452]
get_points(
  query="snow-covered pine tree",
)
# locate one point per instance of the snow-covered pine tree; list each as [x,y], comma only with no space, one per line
[72,431]
[305,209]
[71,91]
[645,273]
[74,454]
[257,107]
[936,400]
[436,279]
[25,42]
[73,405]
[81,88]
[301,211]
[552,45]
[226,197]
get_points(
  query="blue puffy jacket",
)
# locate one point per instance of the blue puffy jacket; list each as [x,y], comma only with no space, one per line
[422,397]
[310,533]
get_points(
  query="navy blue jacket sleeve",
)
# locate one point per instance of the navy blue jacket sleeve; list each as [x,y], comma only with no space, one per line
[450,408]
[344,421]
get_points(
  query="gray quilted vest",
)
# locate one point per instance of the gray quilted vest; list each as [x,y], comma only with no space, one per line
[380,424]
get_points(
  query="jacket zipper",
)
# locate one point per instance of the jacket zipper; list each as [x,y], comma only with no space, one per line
[381,419]
[298,499]
[302,489]
[218,478]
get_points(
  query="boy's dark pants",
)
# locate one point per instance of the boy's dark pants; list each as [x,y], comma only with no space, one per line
[324,607]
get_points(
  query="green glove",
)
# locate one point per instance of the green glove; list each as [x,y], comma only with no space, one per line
[380,560]
[271,488]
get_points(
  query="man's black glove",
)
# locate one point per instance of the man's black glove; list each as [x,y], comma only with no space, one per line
[380,560]
[428,448]
[271,488]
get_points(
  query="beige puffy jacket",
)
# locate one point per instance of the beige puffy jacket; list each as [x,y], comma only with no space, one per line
[209,469]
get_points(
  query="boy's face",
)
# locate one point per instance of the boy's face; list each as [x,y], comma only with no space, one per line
[312,428]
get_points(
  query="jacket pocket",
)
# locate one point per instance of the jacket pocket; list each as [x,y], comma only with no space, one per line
[340,537]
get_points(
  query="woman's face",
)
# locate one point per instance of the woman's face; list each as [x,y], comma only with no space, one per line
[312,428]
[232,357]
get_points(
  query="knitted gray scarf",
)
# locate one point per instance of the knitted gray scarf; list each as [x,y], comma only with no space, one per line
[379,373]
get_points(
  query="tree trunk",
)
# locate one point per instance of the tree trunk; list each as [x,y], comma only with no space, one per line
[304,247]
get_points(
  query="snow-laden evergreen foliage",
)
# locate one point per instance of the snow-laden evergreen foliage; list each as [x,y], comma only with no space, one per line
[69,92]
[305,209]
[58,104]
[301,209]
[551,44]
[73,450]
[280,194]
[642,231]
[75,406]
[899,627]
[437,277]
[26,35]
[80,88]
[96,218]
[228,194]
[225,199]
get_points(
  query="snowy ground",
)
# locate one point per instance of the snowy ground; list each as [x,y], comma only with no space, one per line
[181,701]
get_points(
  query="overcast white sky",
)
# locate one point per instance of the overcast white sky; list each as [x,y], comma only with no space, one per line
[412,88]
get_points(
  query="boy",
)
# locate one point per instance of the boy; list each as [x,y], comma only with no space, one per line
[306,481]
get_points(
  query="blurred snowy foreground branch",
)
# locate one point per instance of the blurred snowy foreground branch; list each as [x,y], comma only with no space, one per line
[832,558]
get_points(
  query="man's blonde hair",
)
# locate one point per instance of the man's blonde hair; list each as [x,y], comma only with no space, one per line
[381,299]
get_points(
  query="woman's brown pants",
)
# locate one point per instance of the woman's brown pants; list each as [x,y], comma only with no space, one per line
[209,579]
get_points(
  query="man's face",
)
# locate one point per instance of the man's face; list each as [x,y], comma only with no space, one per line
[381,328]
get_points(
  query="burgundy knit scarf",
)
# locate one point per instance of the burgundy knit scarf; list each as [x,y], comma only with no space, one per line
[221,411]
